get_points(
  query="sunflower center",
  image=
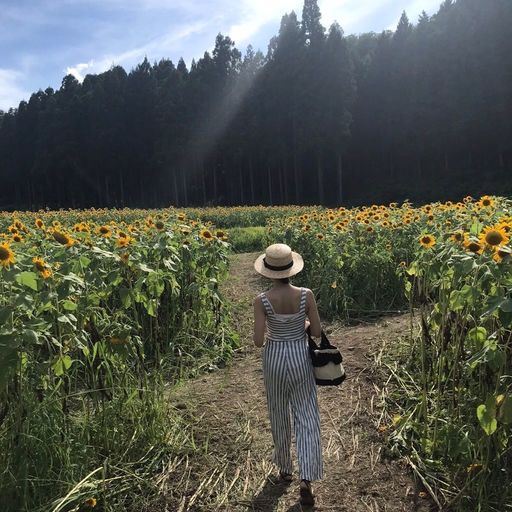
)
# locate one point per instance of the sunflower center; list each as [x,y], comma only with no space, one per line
[60,237]
[474,247]
[40,265]
[4,253]
[494,238]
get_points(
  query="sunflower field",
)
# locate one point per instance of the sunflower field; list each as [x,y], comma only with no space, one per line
[101,310]
[450,264]
[98,311]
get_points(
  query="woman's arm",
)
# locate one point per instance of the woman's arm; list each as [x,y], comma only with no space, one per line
[259,323]
[313,316]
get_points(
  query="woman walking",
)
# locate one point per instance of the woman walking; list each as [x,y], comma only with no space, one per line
[286,311]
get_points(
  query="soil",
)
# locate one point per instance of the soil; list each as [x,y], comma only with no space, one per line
[228,411]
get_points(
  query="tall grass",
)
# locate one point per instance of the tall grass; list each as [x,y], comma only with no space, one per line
[90,334]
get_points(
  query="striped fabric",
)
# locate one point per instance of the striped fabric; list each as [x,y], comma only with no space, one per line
[290,384]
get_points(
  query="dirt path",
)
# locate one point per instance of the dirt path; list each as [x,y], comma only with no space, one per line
[228,407]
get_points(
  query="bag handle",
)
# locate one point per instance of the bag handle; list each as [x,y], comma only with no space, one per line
[324,341]
[311,342]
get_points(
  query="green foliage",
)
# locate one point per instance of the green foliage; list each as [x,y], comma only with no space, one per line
[454,380]
[247,239]
[451,406]
[245,216]
[90,332]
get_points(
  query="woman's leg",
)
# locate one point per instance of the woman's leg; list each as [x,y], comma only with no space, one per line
[306,417]
[275,378]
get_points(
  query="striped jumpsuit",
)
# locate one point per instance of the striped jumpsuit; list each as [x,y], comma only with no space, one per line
[290,383]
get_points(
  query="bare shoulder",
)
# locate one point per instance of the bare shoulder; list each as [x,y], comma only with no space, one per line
[257,300]
[310,297]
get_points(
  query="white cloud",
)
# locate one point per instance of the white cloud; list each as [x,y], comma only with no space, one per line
[413,8]
[78,70]
[11,92]
[254,15]
[349,13]
[153,49]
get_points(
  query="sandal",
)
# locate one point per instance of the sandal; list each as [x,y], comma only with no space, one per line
[285,477]
[306,495]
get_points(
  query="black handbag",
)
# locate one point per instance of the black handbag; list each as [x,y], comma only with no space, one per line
[327,361]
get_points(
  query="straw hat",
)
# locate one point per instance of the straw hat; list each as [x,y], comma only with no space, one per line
[279,261]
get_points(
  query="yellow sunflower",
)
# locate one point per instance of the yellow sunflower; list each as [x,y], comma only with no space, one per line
[42,267]
[221,235]
[506,226]
[63,238]
[494,236]
[91,502]
[485,202]
[427,241]
[124,258]
[501,254]
[6,255]
[123,241]
[104,231]
[39,223]
[473,245]
[39,263]
[17,238]
[206,234]
[320,236]
[457,236]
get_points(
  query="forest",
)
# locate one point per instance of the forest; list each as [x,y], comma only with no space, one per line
[422,112]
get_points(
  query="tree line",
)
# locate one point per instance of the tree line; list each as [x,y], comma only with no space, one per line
[322,118]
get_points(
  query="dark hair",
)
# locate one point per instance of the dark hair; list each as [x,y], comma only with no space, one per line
[285,280]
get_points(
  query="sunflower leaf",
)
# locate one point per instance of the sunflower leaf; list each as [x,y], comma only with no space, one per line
[28,279]
[486,414]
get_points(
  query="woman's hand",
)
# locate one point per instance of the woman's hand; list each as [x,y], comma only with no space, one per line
[307,324]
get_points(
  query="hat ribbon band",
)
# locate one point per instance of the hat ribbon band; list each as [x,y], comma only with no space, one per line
[277,269]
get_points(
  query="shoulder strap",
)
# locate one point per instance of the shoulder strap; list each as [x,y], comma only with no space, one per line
[302,300]
[266,304]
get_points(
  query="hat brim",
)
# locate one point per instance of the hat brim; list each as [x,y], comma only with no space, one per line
[298,265]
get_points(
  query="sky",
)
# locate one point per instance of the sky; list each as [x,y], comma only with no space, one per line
[43,40]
